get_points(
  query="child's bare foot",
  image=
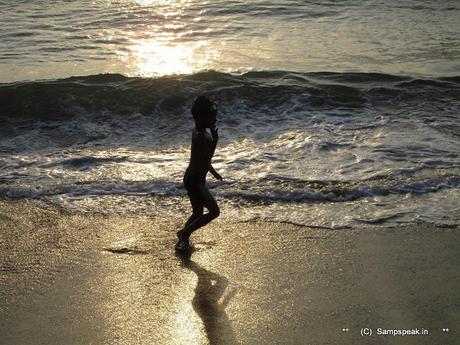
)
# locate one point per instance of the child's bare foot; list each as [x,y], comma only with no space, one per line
[183,245]
[183,242]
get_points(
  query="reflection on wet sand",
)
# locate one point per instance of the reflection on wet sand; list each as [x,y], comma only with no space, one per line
[209,290]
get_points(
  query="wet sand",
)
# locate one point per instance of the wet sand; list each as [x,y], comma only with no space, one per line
[88,279]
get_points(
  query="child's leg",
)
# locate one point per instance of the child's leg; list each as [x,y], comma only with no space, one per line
[210,203]
[197,211]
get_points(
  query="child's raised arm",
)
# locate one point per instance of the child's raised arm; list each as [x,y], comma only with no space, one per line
[215,139]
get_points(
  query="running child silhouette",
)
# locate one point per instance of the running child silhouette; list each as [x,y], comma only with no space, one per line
[204,112]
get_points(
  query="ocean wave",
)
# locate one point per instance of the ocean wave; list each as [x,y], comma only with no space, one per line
[82,163]
[350,147]
[269,190]
[118,94]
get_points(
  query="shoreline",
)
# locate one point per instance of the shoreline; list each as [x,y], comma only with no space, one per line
[78,278]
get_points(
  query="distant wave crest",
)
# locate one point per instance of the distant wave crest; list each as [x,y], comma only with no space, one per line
[118,94]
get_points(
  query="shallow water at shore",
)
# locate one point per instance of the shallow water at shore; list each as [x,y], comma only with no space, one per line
[319,149]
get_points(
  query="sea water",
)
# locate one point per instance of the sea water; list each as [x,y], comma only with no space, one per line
[331,113]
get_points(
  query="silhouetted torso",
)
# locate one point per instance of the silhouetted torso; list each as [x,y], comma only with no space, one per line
[201,154]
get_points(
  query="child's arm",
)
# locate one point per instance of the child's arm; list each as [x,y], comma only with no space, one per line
[214,172]
[215,139]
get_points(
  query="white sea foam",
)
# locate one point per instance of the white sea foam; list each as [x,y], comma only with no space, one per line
[293,147]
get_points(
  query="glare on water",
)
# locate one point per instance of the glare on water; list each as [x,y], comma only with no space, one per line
[157,50]
[161,37]
[152,57]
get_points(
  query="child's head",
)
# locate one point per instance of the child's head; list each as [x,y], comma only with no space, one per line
[204,112]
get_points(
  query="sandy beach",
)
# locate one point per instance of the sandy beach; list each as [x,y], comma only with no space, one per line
[88,279]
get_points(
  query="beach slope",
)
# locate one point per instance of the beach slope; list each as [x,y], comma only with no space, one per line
[74,278]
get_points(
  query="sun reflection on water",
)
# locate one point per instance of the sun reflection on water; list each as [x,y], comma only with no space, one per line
[153,57]
[188,327]
[161,48]
[160,2]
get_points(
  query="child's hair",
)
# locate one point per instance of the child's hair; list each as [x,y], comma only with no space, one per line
[203,106]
